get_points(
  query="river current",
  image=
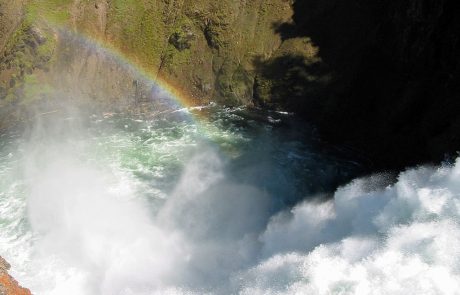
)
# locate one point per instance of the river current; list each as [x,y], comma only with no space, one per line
[213,200]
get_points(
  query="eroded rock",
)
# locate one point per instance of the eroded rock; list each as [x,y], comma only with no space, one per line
[8,285]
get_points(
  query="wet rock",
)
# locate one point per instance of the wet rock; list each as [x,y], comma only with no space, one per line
[8,285]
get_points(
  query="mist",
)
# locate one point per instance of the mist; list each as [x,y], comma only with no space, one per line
[186,223]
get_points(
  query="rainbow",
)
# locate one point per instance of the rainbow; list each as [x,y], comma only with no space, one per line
[178,99]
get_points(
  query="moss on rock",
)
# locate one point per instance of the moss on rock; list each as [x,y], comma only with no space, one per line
[204,48]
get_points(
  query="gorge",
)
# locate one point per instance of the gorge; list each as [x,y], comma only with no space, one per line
[230,147]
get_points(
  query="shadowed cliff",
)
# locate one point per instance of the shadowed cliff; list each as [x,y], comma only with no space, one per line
[378,77]
[392,87]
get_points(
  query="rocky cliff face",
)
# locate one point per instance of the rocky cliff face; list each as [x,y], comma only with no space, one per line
[8,285]
[206,49]
[381,77]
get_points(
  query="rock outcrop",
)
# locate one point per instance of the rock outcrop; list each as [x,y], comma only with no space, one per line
[8,285]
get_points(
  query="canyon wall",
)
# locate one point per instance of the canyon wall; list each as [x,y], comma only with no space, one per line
[378,77]
[205,49]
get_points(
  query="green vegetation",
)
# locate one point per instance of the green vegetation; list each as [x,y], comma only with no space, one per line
[138,30]
[205,48]
[28,49]
[34,90]
[53,11]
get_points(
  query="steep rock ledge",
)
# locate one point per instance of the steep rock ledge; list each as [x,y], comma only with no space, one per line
[8,285]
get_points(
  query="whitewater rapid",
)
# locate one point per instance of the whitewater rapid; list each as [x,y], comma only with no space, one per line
[162,206]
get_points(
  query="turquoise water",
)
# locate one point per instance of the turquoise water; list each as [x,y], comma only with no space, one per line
[86,203]
[242,203]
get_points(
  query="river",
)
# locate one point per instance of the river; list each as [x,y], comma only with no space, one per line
[213,200]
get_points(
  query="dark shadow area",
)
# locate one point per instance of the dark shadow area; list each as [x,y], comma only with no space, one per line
[290,80]
[393,90]
[282,155]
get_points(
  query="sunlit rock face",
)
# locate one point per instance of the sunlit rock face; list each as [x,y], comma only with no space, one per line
[8,285]
[204,48]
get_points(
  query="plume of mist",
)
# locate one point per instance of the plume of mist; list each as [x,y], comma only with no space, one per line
[98,237]
[94,231]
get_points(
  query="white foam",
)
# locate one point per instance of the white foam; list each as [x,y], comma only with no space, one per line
[92,232]
[404,239]
[100,237]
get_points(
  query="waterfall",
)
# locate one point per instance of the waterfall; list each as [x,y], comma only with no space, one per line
[135,206]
